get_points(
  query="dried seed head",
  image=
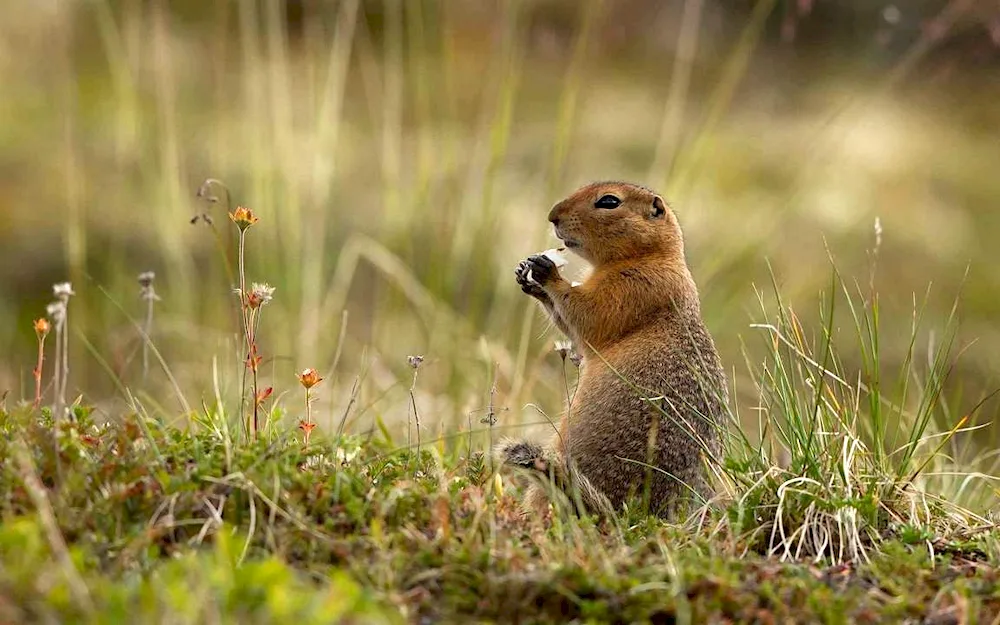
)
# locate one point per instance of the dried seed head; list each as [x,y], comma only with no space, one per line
[243,217]
[309,378]
[414,361]
[146,279]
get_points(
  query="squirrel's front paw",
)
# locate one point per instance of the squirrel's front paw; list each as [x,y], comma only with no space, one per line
[541,269]
[523,274]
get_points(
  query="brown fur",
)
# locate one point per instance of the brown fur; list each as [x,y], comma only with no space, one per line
[652,391]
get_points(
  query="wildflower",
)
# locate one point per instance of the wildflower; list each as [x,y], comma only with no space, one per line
[42,327]
[307,428]
[263,395]
[146,291]
[414,361]
[56,310]
[63,290]
[309,378]
[243,217]
[563,348]
[260,294]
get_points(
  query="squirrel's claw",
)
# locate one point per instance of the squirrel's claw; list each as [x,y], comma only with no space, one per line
[541,268]
[523,273]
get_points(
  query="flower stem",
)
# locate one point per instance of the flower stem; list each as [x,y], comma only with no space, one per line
[38,372]
[255,323]
[65,356]
[147,330]
[57,372]
[245,322]
[308,416]
[416,414]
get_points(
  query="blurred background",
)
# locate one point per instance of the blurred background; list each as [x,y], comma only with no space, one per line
[402,156]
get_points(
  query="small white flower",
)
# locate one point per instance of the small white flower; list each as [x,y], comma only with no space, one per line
[261,294]
[56,310]
[63,290]
[414,361]
[146,291]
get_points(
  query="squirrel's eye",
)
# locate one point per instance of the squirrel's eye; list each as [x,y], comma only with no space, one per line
[607,201]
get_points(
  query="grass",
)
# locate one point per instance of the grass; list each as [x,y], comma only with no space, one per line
[137,517]
[397,183]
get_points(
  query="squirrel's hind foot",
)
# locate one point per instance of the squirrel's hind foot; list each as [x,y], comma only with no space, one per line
[522,454]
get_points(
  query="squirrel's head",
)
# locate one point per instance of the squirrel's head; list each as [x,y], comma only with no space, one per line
[608,221]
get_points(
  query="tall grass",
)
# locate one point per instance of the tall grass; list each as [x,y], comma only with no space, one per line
[845,459]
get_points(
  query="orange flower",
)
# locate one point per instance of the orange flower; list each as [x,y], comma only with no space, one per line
[42,327]
[243,217]
[309,378]
[307,429]
[263,395]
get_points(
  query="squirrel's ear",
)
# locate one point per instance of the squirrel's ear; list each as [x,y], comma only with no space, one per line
[659,207]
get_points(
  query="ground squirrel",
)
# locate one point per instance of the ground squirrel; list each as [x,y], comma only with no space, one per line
[652,392]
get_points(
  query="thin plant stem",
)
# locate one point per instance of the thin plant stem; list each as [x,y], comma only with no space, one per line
[255,324]
[57,372]
[416,414]
[65,355]
[38,371]
[491,414]
[246,332]
[205,192]
[564,440]
[309,419]
[147,330]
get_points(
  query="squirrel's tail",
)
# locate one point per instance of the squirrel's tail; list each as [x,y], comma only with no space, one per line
[549,464]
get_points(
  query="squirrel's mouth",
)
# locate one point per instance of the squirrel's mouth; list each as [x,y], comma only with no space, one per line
[570,243]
